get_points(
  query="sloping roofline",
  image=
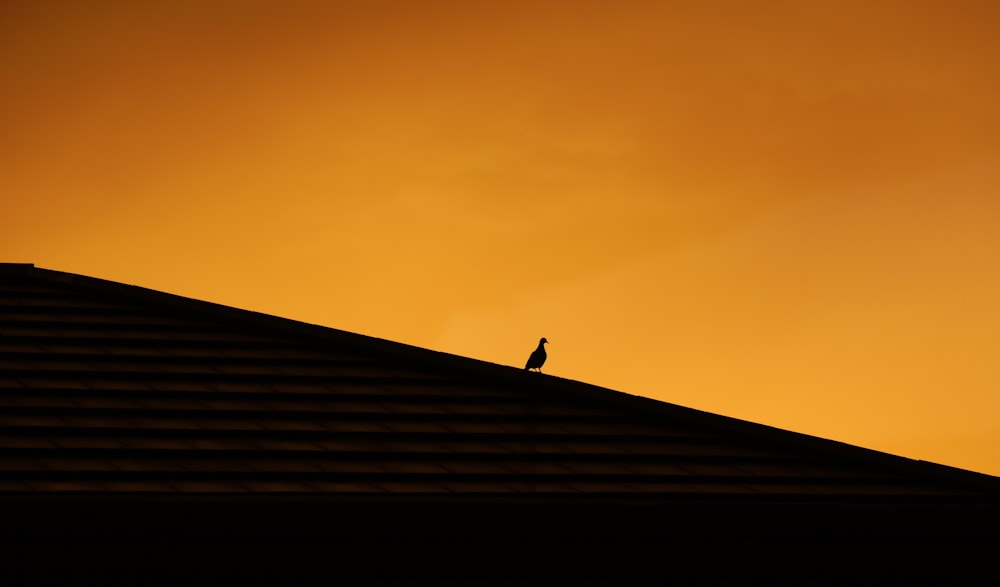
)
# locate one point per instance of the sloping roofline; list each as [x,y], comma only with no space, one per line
[634,405]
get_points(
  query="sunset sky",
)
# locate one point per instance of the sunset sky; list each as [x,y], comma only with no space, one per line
[785,212]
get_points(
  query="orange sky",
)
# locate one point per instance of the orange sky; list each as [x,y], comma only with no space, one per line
[787,212]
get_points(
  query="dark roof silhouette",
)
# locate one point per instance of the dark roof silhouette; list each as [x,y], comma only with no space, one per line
[537,357]
[119,403]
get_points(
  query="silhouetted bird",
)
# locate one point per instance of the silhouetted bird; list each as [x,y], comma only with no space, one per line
[537,358]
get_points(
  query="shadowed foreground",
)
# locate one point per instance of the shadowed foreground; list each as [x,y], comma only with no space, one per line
[151,439]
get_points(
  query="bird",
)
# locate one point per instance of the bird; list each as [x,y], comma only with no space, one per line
[537,358]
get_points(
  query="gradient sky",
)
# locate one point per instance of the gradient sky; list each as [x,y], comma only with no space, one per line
[786,212]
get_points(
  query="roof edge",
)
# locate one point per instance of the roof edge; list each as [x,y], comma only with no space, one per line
[640,406]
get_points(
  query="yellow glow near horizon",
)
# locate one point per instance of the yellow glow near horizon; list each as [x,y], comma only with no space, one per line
[783,212]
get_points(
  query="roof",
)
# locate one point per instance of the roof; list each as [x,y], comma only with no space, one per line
[113,389]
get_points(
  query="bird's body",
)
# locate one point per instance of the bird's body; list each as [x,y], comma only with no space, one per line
[537,358]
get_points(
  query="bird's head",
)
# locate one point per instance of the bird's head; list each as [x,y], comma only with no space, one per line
[543,341]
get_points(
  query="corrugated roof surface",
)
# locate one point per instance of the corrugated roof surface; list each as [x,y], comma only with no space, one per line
[109,388]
